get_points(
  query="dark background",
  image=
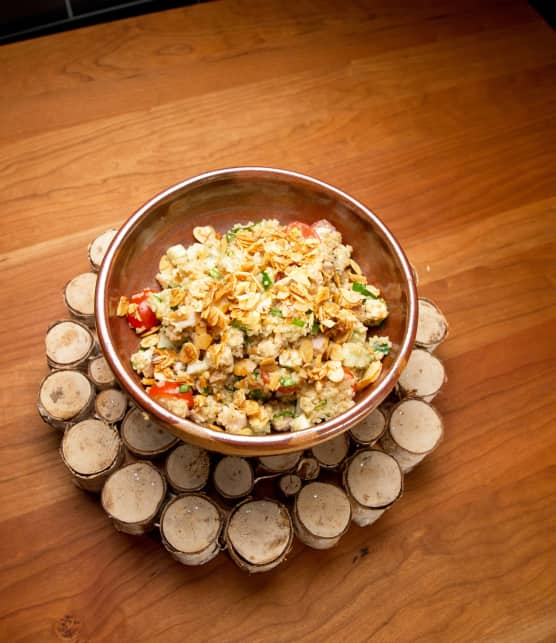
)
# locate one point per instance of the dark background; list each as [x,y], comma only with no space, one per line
[23,19]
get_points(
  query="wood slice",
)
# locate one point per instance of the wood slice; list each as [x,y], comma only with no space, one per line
[321,515]
[98,247]
[370,430]
[280,463]
[132,497]
[100,373]
[259,534]
[187,468]
[290,485]
[190,526]
[79,297]
[308,468]
[111,405]
[331,453]
[414,430]
[68,344]
[423,377]
[65,397]
[91,450]
[373,481]
[143,436]
[432,327]
[233,477]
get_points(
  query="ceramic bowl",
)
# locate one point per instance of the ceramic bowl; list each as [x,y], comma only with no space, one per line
[222,198]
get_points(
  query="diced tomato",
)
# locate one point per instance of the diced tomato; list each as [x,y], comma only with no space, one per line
[144,318]
[171,389]
[350,374]
[307,231]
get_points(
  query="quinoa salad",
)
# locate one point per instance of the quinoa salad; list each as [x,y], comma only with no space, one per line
[265,328]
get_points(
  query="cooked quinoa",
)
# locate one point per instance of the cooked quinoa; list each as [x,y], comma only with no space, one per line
[264,328]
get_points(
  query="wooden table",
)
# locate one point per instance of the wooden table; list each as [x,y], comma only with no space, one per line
[441,119]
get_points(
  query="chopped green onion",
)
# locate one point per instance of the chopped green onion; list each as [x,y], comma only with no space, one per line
[239,326]
[287,381]
[184,388]
[215,273]
[316,328]
[284,414]
[320,405]
[158,298]
[276,311]
[257,394]
[360,288]
[267,279]
[233,231]
[381,347]
[298,322]
[206,390]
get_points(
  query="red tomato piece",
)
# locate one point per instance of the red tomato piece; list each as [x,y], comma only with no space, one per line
[171,389]
[143,318]
[306,230]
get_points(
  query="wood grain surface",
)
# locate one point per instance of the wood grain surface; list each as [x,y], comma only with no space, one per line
[440,116]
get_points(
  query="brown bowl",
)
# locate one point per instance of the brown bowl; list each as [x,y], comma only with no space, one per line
[243,194]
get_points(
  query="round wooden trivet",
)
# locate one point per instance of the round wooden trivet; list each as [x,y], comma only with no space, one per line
[202,503]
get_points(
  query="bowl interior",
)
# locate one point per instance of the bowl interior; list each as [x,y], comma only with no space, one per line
[222,199]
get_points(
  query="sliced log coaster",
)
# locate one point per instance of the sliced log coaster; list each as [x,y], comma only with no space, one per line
[143,436]
[290,484]
[330,454]
[370,430]
[100,373]
[423,376]
[79,297]
[373,481]
[190,527]
[98,247]
[280,463]
[111,405]
[132,497]
[187,468]
[432,327]
[259,534]
[233,477]
[68,344]
[91,450]
[414,430]
[308,468]
[65,397]
[321,514]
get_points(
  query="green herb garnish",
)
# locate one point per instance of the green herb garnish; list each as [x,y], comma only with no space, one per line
[239,326]
[257,394]
[206,390]
[267,279]
[297,322]
[287,382]
[237,228]
[320,405]
[360,288]
[184,388]
[381,347]
[284,414]
[276,311]
[315,328]
[215,273]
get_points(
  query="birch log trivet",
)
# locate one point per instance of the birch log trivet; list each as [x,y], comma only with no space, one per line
[354,477]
